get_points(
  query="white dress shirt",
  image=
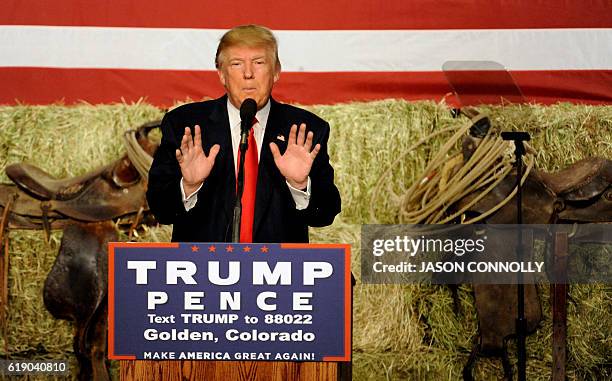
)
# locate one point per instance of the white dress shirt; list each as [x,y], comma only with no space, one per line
[300,197]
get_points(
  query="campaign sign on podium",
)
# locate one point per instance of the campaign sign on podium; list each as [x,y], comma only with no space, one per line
[229,301]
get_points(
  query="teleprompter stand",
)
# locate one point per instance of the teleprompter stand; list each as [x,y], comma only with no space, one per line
[521,323]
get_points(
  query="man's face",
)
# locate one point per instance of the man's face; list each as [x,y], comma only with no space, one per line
[247,72]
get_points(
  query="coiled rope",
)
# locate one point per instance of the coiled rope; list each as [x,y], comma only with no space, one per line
[445,181]
[141,157]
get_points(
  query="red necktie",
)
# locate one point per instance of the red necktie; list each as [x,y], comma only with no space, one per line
[250,186]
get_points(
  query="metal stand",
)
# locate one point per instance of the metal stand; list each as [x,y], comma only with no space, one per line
[244,145]
[521,323]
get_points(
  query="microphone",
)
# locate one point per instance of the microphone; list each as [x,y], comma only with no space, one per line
[518,138]
[248,108]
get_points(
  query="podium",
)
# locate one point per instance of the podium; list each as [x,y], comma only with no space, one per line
[206,311]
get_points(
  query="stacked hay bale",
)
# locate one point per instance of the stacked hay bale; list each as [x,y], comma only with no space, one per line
[400,332]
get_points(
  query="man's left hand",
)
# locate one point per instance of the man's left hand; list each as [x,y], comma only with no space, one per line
[297,160]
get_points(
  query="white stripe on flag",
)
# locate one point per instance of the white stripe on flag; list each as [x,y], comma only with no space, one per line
[307,51]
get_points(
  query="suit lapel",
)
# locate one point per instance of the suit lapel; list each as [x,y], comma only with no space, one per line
[219,132]
[266,172]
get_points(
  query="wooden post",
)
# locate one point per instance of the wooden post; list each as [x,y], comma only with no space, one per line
[559,306]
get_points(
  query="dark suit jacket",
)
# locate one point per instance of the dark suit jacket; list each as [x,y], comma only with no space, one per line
[276,219]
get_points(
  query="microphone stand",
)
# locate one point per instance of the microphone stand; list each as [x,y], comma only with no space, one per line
[244,144]
[521,323]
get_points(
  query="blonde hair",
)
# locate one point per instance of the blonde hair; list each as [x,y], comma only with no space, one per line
[251,36]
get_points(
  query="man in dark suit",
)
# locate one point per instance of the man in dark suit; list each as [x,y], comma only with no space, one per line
[192,182]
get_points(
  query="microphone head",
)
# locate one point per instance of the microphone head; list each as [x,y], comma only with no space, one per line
[248,108]
[516,135]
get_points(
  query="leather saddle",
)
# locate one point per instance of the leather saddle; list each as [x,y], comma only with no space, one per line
[103,194]
[581,192]
[37,200]
[40,185]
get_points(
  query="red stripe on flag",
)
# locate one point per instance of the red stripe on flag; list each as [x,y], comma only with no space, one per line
[162,87]
[315,14]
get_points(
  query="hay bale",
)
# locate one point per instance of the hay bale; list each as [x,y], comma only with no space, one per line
[67,141]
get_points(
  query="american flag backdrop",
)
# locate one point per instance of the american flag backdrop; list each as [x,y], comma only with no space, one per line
[331,51]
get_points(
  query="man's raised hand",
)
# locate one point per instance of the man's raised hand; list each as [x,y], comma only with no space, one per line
[296,162]
[195,165]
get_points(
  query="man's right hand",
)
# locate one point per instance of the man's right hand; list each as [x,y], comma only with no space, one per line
[195,165]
